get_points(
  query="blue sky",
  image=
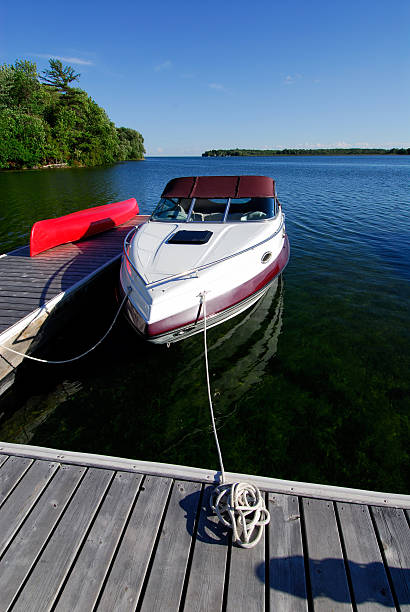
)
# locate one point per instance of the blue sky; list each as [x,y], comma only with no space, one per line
[192,76]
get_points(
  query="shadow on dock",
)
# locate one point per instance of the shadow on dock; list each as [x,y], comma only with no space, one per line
[325,578]
[209,529]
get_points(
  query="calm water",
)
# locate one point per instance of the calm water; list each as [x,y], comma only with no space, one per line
[312,384]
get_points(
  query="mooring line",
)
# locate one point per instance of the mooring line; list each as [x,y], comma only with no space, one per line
[238,505]
[7,348]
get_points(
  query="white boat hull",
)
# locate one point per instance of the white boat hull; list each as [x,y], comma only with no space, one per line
[165,307]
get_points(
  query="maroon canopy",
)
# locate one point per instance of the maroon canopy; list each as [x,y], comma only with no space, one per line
[220,187]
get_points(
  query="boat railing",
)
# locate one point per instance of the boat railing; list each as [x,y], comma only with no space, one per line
[193,273]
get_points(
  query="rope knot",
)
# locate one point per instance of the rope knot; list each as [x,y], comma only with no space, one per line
[241,507]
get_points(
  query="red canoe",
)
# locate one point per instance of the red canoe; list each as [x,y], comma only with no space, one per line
[82,224]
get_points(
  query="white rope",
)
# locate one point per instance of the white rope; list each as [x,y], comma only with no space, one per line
[239,505]
[218,448]
[78,356]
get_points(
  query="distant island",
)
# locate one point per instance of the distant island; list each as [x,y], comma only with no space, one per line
[46,122]
[272,152]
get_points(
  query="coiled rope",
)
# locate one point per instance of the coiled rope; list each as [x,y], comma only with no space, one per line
[78,356]
[238,505]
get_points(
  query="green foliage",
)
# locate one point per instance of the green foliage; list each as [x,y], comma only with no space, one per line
[23,139]
[272,152]
[59,76]
[131,145]
[51,122]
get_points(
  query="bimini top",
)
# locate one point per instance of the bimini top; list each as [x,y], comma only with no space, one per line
[220,187]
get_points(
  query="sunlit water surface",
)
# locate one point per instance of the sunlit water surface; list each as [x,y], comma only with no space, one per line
[311,384]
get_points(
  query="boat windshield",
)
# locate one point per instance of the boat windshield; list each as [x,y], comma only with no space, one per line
[172,209]
[200,210]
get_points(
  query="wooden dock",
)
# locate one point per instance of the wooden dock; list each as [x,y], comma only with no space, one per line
[87,532]
[34,289]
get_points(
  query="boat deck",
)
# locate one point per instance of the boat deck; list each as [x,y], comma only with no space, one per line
[32,287]
[88,532]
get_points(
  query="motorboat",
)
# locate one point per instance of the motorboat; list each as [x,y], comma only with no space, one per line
[213,244]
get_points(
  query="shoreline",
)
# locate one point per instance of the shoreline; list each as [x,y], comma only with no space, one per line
[62,165]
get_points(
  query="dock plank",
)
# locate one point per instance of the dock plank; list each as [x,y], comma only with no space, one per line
[28,283]
[287,580]
[125,580]
[369,580]
[58,265]
[42,587]
[330,590]
[394,534]
[21,500]
[103,536]
[25,548]
[167,574]
[11,472]
[33,284]
[9,305]
[207,575]
[85,581]
[246,585]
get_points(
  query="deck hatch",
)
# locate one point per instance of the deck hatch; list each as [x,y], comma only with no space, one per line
[190,237]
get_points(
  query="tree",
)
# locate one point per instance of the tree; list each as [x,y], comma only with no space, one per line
[59,76]
[23,139]
[131,145]
[50,122]
[20,88]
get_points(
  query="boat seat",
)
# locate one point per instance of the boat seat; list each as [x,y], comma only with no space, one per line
[254,215]
[214,217]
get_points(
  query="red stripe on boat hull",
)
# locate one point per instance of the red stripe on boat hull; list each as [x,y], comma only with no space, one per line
[222,302]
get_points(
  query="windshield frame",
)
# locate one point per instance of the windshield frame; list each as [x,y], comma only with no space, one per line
[189,214]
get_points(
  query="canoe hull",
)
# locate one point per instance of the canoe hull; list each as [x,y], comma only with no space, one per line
[50,233]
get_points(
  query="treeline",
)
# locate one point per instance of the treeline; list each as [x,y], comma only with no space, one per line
[264,153]
[45,120]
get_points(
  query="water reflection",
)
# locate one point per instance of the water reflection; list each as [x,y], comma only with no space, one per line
[238,354]
[148,392]
[238,351]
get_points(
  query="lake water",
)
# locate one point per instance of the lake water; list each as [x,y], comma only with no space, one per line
[311,384]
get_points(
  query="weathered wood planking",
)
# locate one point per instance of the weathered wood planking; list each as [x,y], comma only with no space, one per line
[11,472]
[330,590]
[32,287]
[287,580]
[86,579]
[97,538]
[27,546]
[207,573]
[166,579]
[42,587]
[246,584]
[45,276]
[125,580]
[393,531]
[369,580]
[19,503]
